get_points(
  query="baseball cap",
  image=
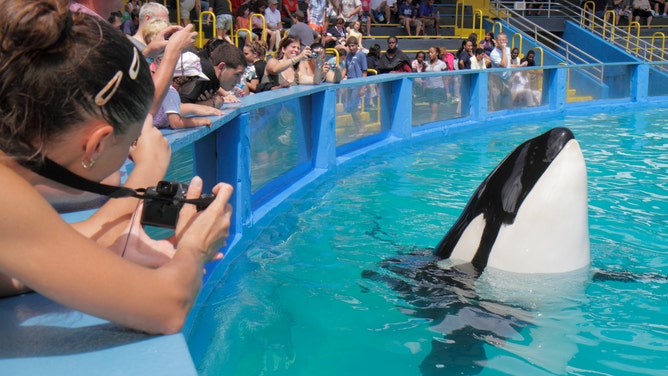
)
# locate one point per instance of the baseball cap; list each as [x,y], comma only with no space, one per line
[189,65]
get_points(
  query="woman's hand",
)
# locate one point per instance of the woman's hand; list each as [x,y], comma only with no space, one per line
[204,232]
[305,53]
[152,150]
[135,245]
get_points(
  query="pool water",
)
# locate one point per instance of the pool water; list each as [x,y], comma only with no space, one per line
[296,301]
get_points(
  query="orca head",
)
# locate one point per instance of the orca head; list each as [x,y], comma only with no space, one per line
[530,214]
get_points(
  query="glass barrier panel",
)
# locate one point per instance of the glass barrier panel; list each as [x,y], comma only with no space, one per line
[499,95]
[357,112]
[440,98]
[658,80]
[280,139]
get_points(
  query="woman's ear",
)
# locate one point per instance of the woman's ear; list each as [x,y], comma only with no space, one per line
[97,139]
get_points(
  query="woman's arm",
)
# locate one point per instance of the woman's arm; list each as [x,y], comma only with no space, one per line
[195,109]
[63,265]
[177,121]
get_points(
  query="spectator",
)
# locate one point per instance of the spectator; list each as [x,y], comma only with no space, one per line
[282,69]
[354,30]
[173,114]
[100,9]
[428,16]
[316,15]
[242,26]
[481,60]
[466,54]
[355,68]
[408,18]
[255,52]
[657,5]
[185,7]
[434,85]
[272,17]
[336,34]
[148,12]
[208,92]
[115,20]
[290,10]
[393,60]
[500,56]
[85,119]
[301,30]
[228,63]
[131,25]
[350,10]
[529,60]
[380,12]
[622,8]
[488,43]
[365,18]
[419,64]
[221,8]
[514,57]
[373,56]
[641,8]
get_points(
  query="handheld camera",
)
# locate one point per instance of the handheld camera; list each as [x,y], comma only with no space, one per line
[163,202]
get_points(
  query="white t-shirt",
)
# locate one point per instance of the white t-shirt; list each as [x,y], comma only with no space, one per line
[495,56]
[475,64]
[273,18]
[435,82]
[170,105]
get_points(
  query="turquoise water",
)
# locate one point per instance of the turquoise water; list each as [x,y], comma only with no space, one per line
[295,302]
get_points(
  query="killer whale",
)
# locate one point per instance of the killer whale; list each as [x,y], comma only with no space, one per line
[530,214]
[528,217]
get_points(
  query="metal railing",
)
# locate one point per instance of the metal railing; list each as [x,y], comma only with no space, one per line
[563,50]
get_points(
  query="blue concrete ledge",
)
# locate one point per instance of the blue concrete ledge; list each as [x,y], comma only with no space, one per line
[41,337]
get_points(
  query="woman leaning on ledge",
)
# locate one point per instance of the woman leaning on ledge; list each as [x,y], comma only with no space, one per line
[75,91]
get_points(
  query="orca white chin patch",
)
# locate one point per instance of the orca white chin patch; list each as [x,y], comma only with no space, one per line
[550,233]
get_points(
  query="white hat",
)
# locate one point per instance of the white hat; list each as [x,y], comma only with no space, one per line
[189,65]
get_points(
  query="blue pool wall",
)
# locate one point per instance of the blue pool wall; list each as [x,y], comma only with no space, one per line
[42,337]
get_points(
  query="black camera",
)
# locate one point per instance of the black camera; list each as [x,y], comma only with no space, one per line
[163,202]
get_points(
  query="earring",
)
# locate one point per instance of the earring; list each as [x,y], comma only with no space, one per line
[88,164]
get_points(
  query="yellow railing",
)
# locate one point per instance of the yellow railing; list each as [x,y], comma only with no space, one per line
[661,35]
[201,40]
[264,24]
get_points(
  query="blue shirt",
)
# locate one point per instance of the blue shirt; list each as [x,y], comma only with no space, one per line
[356,64]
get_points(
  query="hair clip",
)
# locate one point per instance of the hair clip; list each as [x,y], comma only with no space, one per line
[133,72]
[104,95]
[108,91]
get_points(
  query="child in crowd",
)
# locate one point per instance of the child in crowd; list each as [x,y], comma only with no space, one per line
[172,113]
[419,64]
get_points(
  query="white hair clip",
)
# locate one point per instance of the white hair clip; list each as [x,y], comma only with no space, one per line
[104,95]
[133,72]
[108,91]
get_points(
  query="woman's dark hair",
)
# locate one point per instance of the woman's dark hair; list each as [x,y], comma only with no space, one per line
[288,40]
[59,69]
[417,54]
[242,8]
[374,50]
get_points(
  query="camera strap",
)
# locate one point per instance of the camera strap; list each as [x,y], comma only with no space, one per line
[53,171]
